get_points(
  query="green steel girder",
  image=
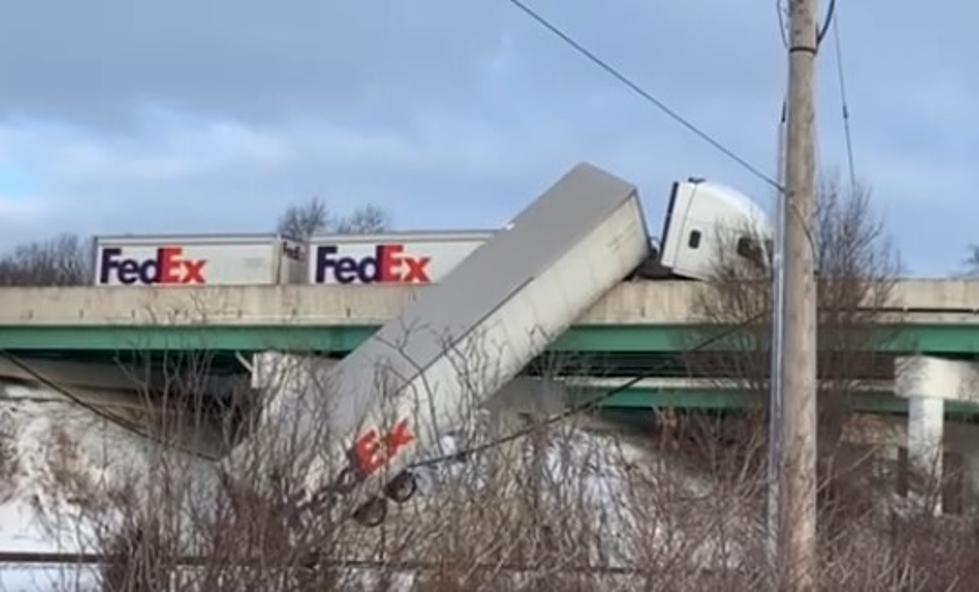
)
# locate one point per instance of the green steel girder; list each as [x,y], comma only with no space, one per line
[719,399]
[932,339]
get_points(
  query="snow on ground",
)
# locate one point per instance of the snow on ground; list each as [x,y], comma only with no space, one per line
[46,441]
[54,443]
[56,446]
[31,578]
[52,447]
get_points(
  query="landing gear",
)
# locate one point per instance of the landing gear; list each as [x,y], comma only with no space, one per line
[347,480]
[372,512]
[402,487]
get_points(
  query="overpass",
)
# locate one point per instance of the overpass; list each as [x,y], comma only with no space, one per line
[929,316]
[640,327]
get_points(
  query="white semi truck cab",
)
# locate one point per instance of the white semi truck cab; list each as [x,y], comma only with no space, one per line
[704,219]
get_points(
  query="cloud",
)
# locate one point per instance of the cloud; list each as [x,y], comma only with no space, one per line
[246,58]
[19,209]
[190,116]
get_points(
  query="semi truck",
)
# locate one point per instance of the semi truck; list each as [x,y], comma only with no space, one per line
[703,214]
[501,304]
[707,215]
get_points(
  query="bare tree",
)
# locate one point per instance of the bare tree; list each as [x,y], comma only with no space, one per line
[972,262]
[558,509]
[305,220]
[314,217]
[856,271]
[870,539]
[62,261]
[365,220]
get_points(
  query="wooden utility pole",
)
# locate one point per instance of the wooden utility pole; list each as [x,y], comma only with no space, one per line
[797,560]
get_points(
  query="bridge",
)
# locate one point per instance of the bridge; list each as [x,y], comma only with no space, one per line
[933,316]
[639,328]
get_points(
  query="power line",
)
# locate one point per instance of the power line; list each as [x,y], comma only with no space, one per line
[781,22]
[845,106]
[662,106]
[128,426]
[588,405]
[826,22]
[315,560]
[672,114]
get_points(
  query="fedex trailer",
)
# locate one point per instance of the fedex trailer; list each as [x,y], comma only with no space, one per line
[188,260]
[390,258]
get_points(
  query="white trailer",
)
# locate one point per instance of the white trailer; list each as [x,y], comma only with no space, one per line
[470,334]
[180,260]
[418,257]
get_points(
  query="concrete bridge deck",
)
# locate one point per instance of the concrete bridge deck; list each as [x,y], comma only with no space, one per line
[637,326]
[630,303]
[933,316]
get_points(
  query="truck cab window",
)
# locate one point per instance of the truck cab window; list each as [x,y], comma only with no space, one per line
[750,249]
[694,240]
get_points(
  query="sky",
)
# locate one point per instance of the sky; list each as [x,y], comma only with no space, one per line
[215,115]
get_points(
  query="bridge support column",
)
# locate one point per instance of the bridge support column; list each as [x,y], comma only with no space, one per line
[927,382]
[926,423]
[524,401]
[271,370]
[970,462]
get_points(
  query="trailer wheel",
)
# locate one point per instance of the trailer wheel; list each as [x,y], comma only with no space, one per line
[402,487]
[372,512]
[346,480]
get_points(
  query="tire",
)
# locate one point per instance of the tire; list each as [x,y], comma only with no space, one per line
[402,488]
[372,512]
[346,480]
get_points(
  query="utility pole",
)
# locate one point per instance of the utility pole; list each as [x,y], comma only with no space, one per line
[797,560]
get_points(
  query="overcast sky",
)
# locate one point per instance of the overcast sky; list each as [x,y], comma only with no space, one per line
[207,115]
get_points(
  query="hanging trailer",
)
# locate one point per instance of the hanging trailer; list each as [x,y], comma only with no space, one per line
[464,338]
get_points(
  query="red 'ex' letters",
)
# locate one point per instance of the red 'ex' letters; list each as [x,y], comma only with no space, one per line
[372,451]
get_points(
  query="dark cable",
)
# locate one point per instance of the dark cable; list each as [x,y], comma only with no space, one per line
[571,411]
[645,94]
[827,22]
[664,108]
[845,107]
[73,398]
[781,23]
[586,406]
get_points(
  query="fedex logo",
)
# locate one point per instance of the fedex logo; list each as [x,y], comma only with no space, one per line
[373,450]
[388,264]
[169,267]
